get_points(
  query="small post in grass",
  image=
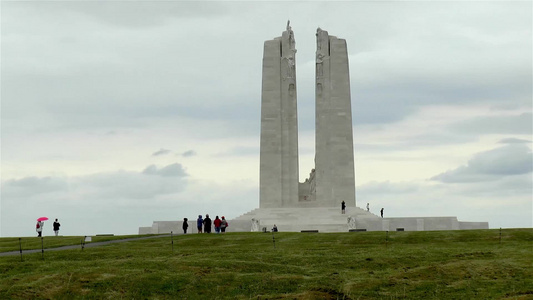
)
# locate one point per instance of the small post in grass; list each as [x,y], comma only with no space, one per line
[172,239]
[500,235]
[387,239]
[42,248]
[273,239]
[20,246]
[83,243]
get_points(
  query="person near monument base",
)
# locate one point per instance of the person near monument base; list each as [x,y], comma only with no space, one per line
[223,224]
[56,227]
[207,224]
[185,225]
[199,223]
[382,212]
[368,207]
[343,207]
[217,222]
[275,228]
[39,228]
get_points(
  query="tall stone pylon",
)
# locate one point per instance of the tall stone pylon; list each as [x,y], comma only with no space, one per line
[279,124]
[334,160]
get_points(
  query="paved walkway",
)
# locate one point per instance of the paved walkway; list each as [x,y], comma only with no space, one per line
[87,245]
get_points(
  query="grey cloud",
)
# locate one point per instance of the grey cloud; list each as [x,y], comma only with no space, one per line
[387,187]
[393,74]
[133,13]
[188,153]
[127,186]
[422,141]
[517,124]
[173,170]
[33,186]
[513,141]
[161,152]
[120,185]
[240,151]
[503,187]
[513,159]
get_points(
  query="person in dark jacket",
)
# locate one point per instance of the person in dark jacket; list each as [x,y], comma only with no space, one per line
[207,224]
[56,227]
[199,223]
[185,225]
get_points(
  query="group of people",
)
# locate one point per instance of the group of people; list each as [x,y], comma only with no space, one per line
[205,224]
[40,224]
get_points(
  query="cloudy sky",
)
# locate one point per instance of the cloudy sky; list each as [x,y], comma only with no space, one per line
[118,113]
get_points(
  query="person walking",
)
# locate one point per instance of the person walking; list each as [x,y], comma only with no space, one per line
[343,207]
[207,224]
[368,207]
[39,228]
[382,212]
[199,223]
[56,227]
[223,224]
[217,222]
[185,225]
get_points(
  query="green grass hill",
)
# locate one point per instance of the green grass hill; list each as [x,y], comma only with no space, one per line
[475,264]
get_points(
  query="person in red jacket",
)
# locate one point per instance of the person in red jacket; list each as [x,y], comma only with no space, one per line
[217,223]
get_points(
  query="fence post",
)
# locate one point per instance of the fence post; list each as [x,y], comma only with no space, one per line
[273,239]
[500,235]
[20,246]
[42,248]
[172,239]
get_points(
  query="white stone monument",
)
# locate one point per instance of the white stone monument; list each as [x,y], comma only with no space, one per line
[314,204]
[333,179]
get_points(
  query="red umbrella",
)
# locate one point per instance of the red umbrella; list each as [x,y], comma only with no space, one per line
[42,219]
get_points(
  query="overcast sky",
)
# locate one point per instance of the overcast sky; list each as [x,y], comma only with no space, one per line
[118,113]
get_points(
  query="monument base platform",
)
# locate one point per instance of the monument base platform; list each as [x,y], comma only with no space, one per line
[324,219]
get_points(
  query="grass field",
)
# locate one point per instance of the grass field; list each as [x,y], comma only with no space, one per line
[472,264]
[29,243]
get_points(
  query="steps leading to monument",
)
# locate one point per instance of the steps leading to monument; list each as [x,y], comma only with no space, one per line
[324,219]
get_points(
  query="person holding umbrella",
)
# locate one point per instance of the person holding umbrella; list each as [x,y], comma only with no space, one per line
[39,226]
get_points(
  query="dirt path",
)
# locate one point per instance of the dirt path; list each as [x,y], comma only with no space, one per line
[87,245]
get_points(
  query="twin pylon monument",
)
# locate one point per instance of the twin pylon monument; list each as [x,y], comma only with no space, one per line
[316,203]
[313,205]
[333,180]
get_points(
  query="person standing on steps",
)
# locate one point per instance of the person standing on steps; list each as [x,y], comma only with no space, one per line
[343,207]
[199,223]
[56,227]
[382,212]
[207,224]
[185,225]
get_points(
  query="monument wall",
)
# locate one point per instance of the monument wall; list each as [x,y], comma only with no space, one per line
[335,178]
[279,124]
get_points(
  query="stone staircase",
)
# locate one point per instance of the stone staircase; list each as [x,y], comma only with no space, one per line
[323,219]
